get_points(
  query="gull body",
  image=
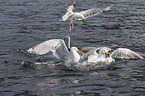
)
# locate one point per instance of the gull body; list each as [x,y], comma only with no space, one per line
[102,56]
[71,16]
[58,48]
[61,49]
[106,57]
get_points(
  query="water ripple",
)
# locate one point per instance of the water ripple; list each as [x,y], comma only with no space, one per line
[28,22]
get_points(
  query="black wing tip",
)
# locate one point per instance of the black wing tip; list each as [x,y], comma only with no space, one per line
[73,3]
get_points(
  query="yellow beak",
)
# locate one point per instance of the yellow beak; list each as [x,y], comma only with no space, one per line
[108,53]
[84,19]
[79,51]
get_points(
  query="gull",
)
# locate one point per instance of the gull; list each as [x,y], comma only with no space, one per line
[59,49]
[106,57]
[70,15]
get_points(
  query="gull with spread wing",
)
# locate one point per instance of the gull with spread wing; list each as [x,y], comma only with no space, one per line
[70,15]
[106,57]
[59,49]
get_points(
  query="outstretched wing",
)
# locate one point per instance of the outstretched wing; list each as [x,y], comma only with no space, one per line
[92,52]
[67,41]
[71,6]
[87,49]
[124,53]
[94,11]
[92,56]
[57,46]
[69,11]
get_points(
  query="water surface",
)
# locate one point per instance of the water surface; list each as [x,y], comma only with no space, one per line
[24,23]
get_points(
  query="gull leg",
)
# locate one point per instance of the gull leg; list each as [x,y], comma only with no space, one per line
[70,25]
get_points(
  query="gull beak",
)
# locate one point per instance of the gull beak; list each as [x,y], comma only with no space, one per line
[79,51]
[84,19]
[108,54]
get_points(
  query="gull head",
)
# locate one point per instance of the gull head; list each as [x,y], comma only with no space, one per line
[108,54]
[104,51]
[79,51]
[84,19]
[75,54]
[76,49]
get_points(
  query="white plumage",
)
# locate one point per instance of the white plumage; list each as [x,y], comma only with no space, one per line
[61,49]
[70,15]
[120,53]
[124,53]
[58,48]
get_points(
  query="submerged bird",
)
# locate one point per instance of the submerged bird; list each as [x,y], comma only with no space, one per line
[59,49]
[70,15]
[106,57]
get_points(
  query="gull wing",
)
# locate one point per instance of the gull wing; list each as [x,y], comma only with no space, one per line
[94,11]
[89,53]
[67,15]
[92,56]
[71,6]
[87,49]
[107,48]
[124,53]
[57,46]
[69,11]
[67,41]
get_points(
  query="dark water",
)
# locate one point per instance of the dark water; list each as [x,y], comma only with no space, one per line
[24,23]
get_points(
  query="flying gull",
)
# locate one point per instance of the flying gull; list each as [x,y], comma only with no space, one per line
[71,16]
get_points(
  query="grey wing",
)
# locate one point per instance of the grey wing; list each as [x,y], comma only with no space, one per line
[94,11]
[57,46]
[124,53]
[89,53]
[106,48]
[67,15]
[87,49]
[71,6]
[62,52]
[67,41]
[69,12]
